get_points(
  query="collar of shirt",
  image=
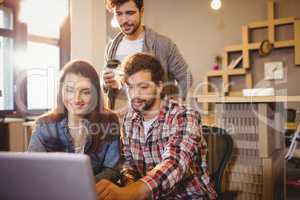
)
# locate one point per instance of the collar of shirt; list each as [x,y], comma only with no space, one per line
[164,107]
[64,126]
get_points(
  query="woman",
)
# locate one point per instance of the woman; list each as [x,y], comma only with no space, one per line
[79,123]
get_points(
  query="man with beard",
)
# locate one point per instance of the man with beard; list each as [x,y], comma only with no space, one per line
[164,150]
[135,37]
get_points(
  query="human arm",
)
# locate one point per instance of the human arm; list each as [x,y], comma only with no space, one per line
[109,77]
[129,170]
[37,142]
[178,69]
[110,170]
[178,156]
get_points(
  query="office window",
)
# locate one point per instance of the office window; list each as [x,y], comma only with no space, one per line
[41,61]
[34,44]
[42,76]
[44,17]
[6,59]
[6,18]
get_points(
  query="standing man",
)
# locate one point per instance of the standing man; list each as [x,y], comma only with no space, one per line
[164,149]
[135,37]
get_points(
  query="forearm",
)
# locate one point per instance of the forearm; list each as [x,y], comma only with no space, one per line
[129,171]
[109,174]
[176,165]
[174,172]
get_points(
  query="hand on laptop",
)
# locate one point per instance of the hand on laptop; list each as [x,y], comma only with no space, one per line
[106,190]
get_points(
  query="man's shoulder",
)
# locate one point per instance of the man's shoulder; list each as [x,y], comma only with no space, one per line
[114,40]
[47,125]
[176,109]
[129,116]
[158,37]
[175,105]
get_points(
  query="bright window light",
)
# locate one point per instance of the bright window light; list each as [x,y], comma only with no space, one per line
[6,19]
[41,75]
[44,17]
[6,62]
[6,73]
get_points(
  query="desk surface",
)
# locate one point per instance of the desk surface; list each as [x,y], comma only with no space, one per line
[253,99]
[13,120]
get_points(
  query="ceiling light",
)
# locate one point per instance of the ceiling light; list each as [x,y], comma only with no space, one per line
[114,23]
[216,4]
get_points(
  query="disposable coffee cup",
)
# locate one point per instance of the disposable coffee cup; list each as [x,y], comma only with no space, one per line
[113,64]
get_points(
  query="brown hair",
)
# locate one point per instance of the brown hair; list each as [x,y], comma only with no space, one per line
[111,4]
[144,62]
[99,115]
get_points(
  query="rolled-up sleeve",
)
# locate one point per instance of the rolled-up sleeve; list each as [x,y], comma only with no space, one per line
[128,165]
[177,158]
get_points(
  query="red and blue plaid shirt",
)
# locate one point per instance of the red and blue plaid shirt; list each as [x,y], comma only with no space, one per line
[171,157]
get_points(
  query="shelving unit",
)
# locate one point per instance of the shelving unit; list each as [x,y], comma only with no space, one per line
[256,170]
[245,70]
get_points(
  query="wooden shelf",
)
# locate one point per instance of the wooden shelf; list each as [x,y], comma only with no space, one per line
[254,46]
[283,44]
[265,24]
[234,48]
[257,25]
[229,72]
[241,99]
[284,21]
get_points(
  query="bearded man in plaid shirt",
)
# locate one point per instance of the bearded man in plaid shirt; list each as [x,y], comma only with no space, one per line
[164,150]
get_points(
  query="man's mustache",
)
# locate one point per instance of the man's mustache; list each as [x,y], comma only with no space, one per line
[137,100]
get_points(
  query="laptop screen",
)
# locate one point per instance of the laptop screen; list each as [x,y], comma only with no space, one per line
[36,176]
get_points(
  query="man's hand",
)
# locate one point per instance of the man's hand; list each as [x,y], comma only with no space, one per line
[106,190]
[110,79]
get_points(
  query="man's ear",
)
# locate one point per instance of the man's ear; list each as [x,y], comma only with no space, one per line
[142,12]
[160,87]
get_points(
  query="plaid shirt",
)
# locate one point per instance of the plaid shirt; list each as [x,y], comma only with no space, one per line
[171,157]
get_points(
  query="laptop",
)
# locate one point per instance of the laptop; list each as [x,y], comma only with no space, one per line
[46,176]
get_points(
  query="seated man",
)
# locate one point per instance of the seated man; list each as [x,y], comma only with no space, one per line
[164,150]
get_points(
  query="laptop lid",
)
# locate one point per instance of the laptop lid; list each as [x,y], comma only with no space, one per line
[47,176]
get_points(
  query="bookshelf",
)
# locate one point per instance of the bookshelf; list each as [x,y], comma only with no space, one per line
[229,71]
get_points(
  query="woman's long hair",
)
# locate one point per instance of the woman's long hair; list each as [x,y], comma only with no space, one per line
[99,116]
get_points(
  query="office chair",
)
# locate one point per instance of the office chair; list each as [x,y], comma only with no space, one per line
[220,147]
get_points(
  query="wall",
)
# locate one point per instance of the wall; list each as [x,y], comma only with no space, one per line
[88,31]
[202,33]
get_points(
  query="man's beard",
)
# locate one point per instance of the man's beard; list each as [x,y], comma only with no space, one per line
[148,104]
[134,29]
